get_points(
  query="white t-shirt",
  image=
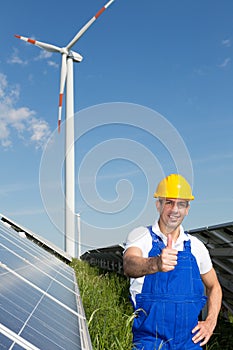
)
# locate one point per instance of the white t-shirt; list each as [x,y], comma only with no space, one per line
[140,237]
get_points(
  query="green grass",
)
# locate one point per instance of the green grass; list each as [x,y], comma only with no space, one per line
[107,308]
[110,315]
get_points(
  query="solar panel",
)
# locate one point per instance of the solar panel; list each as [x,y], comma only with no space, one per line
[219,241]
[40,304]
[108,258]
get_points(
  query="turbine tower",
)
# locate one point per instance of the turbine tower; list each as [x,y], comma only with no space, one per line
[66,80]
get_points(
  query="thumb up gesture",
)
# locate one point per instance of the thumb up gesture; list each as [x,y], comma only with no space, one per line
[168,257]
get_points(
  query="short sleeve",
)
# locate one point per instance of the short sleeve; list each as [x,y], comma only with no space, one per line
[202,255]
[139,237]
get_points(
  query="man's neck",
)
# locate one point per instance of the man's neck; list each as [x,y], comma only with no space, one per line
[175,232]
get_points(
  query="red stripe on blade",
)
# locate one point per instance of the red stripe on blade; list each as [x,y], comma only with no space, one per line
[59,126]
[60,100]
[100,12]
[31,41]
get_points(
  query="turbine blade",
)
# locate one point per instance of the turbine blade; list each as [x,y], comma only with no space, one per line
[62,87]
[87,25]
[47,47]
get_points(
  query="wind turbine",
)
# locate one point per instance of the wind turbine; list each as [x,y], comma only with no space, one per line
[66,80]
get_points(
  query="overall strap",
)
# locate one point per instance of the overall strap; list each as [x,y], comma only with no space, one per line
[187,244]
[156,239]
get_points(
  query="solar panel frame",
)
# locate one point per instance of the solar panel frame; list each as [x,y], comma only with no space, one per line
[40,303]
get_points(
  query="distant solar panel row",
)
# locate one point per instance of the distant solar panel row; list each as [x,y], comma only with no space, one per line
[40,305]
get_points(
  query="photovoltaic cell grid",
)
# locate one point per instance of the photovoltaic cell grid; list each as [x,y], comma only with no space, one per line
[40,305]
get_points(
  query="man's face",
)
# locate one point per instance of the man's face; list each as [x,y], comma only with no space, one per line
[172,212]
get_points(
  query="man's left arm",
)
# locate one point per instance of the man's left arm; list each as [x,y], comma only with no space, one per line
[206,328]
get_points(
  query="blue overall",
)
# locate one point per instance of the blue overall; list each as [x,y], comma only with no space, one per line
[168,307]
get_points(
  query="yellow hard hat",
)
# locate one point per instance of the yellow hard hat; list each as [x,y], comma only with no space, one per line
[174,186]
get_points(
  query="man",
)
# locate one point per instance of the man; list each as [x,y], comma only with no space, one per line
[169,269]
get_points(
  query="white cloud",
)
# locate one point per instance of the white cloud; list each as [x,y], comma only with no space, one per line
[21,120]
[15,59]
[225,63]
[53,64]
[39,130]
[226,42]
[43,55]
[46,55]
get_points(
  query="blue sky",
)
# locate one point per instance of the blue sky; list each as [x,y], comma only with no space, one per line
[171,57]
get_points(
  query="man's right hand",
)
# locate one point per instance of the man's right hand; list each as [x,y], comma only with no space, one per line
[168,258]
[135,265]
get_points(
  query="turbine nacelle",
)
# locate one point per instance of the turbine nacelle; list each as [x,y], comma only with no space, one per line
[75,56]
